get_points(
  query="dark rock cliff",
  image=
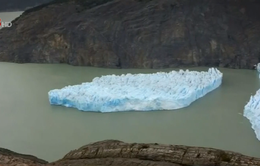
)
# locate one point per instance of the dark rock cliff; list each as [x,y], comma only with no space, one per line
[118,153]
[137,33]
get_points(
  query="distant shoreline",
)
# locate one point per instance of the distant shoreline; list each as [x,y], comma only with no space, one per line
[6,11]
[16,10]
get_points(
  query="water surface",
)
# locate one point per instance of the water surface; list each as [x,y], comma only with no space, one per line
[9,16]
[28,124]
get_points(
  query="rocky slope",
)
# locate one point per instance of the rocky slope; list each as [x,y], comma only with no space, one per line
[137,33]
[117,153]
[11,158]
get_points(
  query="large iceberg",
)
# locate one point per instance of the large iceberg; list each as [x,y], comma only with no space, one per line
[252,113]
[138,92]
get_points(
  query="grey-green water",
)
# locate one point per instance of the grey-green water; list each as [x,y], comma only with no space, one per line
[28,124]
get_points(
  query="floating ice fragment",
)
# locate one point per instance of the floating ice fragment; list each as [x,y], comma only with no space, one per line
[252,113]
[138,92]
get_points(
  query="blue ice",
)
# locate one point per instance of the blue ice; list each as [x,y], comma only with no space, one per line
[138,92]
[252,113]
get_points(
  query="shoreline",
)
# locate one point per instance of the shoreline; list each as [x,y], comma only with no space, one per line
[177,67]
[8,11]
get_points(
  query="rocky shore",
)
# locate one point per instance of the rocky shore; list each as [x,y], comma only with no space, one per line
[118,153]
[136,34]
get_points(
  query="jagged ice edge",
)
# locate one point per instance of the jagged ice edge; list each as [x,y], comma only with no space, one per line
[142,92]
[252,113]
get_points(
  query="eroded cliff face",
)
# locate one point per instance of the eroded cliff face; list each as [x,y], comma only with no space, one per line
[118,153]
[137,34]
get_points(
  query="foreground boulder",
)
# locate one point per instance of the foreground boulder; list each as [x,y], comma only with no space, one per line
[8,157]
[118,153]
[136,33]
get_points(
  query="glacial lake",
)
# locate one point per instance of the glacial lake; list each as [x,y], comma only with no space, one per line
[28,124]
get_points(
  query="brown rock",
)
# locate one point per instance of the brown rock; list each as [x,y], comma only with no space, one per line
[11,158]
[117,153]
[137,34]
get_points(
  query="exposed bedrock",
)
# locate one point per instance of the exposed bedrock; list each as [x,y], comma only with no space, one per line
[118,153]
[136,33]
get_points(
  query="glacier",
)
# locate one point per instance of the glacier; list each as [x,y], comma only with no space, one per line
[252,113]
[138,92]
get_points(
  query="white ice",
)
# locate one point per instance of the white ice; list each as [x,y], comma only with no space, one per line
[258,67]
[138,92]
[252,113]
